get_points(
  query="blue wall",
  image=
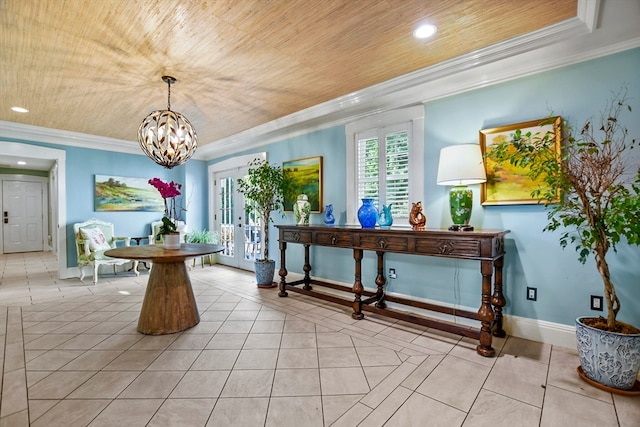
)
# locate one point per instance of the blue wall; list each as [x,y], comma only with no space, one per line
[330,144]
[534,258]
[82,166]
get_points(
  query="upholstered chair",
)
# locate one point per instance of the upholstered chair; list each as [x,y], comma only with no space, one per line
[93,238]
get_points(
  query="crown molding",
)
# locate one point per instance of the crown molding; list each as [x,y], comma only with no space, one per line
[64,137]
[588,12]
[19,131]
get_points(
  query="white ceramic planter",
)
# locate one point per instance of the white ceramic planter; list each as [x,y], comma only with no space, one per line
[608,358]
[172,241]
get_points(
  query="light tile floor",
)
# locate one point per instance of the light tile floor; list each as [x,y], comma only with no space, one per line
[70,355]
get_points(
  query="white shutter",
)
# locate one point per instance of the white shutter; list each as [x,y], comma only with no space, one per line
[383,167]
[368,168]
[385,155]
[396,180]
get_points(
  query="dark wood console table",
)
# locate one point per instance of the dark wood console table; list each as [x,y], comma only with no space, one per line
[486,246]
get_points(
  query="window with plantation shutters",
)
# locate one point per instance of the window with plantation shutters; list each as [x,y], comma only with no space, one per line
[383,167]
[384,161]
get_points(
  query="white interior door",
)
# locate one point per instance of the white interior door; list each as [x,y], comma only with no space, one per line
[241,232]
[22,216]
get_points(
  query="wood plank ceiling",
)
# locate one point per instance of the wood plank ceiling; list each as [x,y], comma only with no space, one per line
[95,66]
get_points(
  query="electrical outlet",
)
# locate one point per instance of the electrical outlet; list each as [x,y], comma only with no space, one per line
[392,273]
[532,293]
[596,302]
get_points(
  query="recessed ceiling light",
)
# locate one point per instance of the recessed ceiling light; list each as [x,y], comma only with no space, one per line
[19,110]
[424,31]
[21,163]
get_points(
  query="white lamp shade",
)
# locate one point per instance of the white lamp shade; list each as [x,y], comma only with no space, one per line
[461,164]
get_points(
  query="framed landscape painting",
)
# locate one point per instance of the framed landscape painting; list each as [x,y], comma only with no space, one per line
[117,193]
[306,178]
[508,184]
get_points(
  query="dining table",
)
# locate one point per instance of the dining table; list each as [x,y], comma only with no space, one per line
[169,305]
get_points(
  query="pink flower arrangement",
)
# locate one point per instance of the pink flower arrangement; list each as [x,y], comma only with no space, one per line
[166,189]
[169,191]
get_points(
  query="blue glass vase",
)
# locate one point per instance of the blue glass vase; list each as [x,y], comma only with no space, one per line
[367,214]
[384,218]
[329,219]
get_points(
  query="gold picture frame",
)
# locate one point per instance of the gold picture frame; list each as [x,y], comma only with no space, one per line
[507,184]
[305,178]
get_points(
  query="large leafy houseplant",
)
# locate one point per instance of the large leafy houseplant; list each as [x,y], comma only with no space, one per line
[599,186]
[264,188]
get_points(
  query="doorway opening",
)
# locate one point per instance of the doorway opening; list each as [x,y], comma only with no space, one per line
[57,196]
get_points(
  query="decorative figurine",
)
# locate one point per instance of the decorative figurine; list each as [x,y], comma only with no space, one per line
[417,219]
[329,219]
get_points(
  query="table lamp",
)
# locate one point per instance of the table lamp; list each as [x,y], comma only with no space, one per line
[459,166]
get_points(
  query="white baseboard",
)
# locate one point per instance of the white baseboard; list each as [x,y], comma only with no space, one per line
[74,272]
[541,331]
[69,273]
[516,326]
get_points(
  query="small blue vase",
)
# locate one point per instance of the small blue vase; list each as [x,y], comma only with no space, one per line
[367,214]
[329,219]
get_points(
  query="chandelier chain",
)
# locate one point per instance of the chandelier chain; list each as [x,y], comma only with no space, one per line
[169,96]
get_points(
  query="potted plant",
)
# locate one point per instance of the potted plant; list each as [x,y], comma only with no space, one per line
[599,207]
[264,188]
[203,236]
[169,228]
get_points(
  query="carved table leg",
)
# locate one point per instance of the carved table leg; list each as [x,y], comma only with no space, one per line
[380,281]
[357,286]
[307,269]
[282,286]
[497,299]
[485,312]
[169,305]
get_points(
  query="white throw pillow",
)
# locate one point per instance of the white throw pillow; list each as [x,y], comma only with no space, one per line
[96,238]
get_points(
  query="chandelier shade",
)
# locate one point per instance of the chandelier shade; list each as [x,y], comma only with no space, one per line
[167,137]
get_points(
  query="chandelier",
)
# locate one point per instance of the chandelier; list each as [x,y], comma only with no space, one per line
[166,136]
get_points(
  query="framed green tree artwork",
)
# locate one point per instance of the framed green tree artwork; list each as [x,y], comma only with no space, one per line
[305,176]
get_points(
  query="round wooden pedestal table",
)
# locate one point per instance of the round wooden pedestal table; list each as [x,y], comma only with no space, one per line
[169,305]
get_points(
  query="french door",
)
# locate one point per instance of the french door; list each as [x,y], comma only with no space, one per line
[234,219]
